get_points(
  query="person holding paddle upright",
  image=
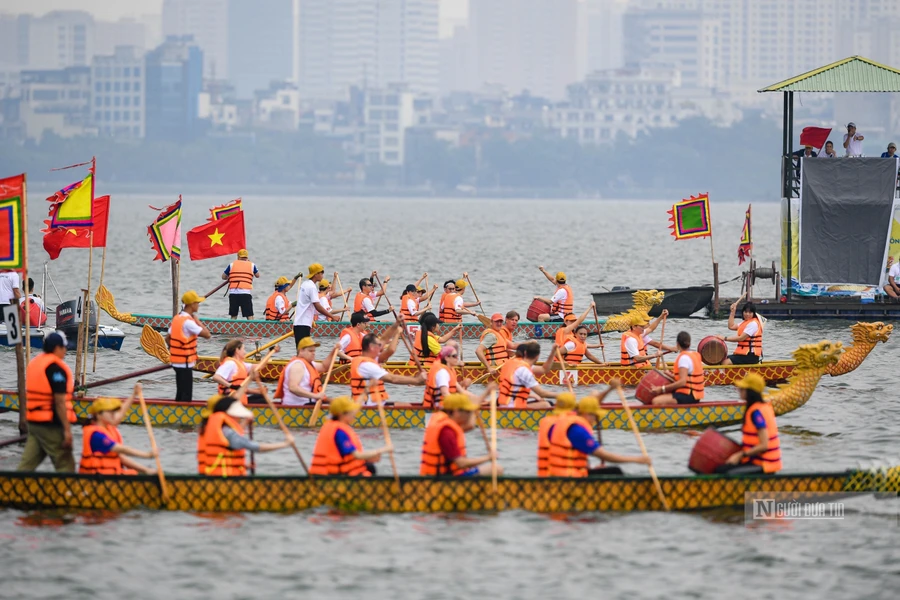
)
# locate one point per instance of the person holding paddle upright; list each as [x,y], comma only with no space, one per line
[364,301]
[635,341]
[563,301]
[239,275]
[182,340]
[338,450]
[326,295]
[278,306]
[452,304]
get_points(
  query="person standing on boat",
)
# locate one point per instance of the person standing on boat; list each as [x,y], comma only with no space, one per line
[38,312]
[278,306]
[300,382]
[50,414]
[444,445]
[452,305]
[853,141]
[635,341]
[364,302]
[572,441]
[233,371]
[239,275]
[182,340]
[749,336]
[690,381]
[518,381]
[338,450]
[309,303]
[565,405]
[760,447]
[426,343]
[367,377]
[563,301]
[102,450]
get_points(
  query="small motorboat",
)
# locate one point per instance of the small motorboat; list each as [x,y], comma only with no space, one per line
[680,302]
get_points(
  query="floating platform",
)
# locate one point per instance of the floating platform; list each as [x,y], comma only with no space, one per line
[817,308]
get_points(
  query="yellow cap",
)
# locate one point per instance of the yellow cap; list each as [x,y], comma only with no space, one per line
[104,404]
[191,297]
[560,277]
[458,402]
[323,285]
[639,319]
[210,405]
[315,269]
[342,405]
[589,405]
[752,381]
[282,280]
[242,253]
[461,284]
[565,402]
[307,342]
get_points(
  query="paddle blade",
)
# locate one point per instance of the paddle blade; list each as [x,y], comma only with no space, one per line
[485,320]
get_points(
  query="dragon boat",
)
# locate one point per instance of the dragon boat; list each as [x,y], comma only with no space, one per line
[812,360]
[29,491]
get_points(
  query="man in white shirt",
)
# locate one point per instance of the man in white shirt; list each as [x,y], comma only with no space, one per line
[852,141]
[37,310]
[309,303]
[182,340]
[370,373]
[893,283]
[828,151]
[9,287]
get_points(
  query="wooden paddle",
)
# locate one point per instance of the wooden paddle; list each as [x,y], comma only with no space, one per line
[16,440]
[599,333]
[383,287]
[562,366]
[462,362]
[215,289]
[403,336]
[159,470]
[387,440]
[494,441]
[156,369]
[268,345]
[640,441]
[662,334]
[482,318]
[314,418]
[281,424]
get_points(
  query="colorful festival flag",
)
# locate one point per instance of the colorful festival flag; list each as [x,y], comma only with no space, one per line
[690,218]
[80,237]
[814,136]
[12,200]
[73,205]
[165,232]
[745,249]
[225,210]
[217,238]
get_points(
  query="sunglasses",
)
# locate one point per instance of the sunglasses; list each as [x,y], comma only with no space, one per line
[453,356]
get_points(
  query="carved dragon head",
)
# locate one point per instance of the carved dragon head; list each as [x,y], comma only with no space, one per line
[816,356]
[871,333]
[646,299]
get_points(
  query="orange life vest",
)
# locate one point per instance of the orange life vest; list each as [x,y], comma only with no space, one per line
[627,360]
[272,313]
[182,348]
[240,277]
[498,351]
[358,305]
[236,380]
[36,316]
[509,391]
[315,380]
[201,454]
[433,395]
[433,462]
[696,380]
[448,310]
[358,383]
[575,356]
[327,460]
[99,463]
[770,460]
[563,306]
[753,344]
[565,460]
[417,346]
[40,394]
[354,348]
[404,308]
[543,453]
[220,459]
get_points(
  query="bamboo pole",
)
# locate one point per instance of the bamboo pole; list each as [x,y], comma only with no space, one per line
[314,417]
[159,470]
[23,355]
[494,441]
[97,332]
[640,441]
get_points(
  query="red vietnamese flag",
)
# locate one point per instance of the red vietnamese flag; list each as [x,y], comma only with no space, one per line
[814,136]
[217,238]
[80,237]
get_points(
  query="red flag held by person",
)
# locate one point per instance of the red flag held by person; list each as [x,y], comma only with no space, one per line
[217,238]
[80,237]
[814,136]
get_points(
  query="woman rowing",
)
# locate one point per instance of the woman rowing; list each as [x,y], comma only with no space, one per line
[278,307]
[233,371]
[338,450]
[102,450]
[690,381]
[427,344]
[749,336]
[760,447]
[452,305]
[563,301]
[572,340]
[326,295]
[442,380]
[410,304]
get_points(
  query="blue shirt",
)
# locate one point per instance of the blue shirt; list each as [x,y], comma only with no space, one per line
[886,155]
[343,443]
[758,419]
[580,438]
[100,442]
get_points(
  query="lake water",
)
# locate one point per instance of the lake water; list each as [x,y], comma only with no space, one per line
[850,421]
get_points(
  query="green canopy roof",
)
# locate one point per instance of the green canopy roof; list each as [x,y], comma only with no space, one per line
[853,74]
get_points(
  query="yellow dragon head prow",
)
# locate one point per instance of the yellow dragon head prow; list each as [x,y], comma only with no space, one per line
[644,300]
[870,333]
[865,337]
[812,361]
[817,356]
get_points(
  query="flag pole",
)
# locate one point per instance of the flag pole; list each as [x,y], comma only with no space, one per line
[102,260]
[86,311]
[750,251]
[715,265]
[22,365]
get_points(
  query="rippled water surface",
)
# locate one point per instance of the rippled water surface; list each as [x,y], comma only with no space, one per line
[850,421]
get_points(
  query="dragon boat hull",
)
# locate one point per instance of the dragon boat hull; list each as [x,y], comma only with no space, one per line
[417,494]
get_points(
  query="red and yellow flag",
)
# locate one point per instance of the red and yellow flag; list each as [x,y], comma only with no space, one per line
[12,201]
[745,249]
[217,238]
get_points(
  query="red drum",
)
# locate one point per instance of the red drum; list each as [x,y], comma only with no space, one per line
[537,308]
[712,350]
[651,380]
[711,451]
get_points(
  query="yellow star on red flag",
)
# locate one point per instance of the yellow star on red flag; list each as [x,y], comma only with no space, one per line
[215,238]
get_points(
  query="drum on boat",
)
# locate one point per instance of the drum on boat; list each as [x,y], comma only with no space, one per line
[711,450]
[537,308]
[712,350]
[654,378]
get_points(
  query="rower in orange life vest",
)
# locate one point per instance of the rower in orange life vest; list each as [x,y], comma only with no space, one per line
[364,301]
[338,450]
[517,378]
[182,341]
[635,341]
[426,343]
[36,308]
[572,340]
[350,340]
[452,305]
[411,308]
[326,295]
[239,275]
[444,445]
[367,377]
[749,336]
[300,382]
[494,348]
[233,371]
[565,405]
[690,381]
[760,447]
[572,441]
[563,301]
[442,379]
[278,307]
[102,450]
[223,449]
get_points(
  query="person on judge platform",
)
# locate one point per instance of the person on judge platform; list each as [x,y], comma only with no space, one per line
[749,336]
[338,450]
[760,447]
[102,450]
[563,301]
[690,381]
[239,275]
[182,340]
[635,341]
[444,444]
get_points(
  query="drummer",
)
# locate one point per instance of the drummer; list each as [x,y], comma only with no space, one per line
[749,336]
[636,340]
[689,378]
[760,447]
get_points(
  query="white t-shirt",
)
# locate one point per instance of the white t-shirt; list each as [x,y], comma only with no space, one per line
[9,281]
[307,295]
[188,329]
[280,306]
[458,304]
[522,377]
[895,272]
[254,272]
[368,305]
[442,379]
[325,303]
[228,369]
[631,345]
[411,307]
[560,296]
[345,341]
[751,329]
[288,398]
[854,148]
[34,300]
[569,346]
[685,362]
[370,371]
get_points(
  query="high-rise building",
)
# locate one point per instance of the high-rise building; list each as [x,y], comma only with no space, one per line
[174,82]
[14,31]
[124,32]
[604,41]
[526,44]
[59,39]
[408,45]
[55,100]
[389,112]
[118,105]
[207,21]
[260,44]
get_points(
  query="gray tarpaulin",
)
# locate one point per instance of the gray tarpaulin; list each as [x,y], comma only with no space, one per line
[845,215]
